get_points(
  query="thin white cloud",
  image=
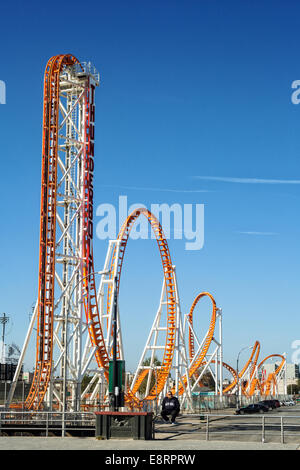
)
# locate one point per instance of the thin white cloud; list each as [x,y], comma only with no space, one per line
[168,190]
[257,233]
[225,179]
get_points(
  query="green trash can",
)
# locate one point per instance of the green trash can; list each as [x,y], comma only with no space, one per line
[124,425]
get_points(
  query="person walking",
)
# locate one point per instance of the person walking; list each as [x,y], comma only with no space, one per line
[170,406]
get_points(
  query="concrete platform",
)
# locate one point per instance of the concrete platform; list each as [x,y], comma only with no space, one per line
[188,435]
[88,443]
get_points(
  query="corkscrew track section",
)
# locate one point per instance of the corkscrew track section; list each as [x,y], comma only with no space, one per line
[255,383]
[200,360]
[251,385]
[265,385]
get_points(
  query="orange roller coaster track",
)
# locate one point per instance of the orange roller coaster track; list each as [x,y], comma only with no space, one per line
[252,361]
[78,145]
[47,230]
[48,219]
[265,384]
[211,330]
[115,273]
[47,273]
[254,382]
[198,361]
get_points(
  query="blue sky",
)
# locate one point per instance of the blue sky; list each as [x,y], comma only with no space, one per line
[194,96]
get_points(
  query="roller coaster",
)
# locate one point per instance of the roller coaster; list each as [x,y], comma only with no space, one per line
[74,320]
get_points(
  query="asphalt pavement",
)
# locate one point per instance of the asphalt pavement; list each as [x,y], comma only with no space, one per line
[89,443]
[191,434]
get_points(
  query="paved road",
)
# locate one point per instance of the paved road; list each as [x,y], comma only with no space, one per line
[246,428]
[230,433]
[74,443]
[278,425]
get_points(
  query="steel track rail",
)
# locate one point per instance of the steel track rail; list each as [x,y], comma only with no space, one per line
[162,244]
[47,231]
[197,362]
[44,342]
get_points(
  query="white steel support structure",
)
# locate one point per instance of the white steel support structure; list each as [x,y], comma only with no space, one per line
[155,343]
[284,375]
[70,361]
[213,360]
[280,383]
[181,355]
[153,346]
[105,310]
[106,319]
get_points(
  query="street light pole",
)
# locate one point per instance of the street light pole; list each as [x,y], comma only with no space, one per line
[3,321]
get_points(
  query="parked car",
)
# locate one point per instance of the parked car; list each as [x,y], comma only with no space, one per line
[289,403]
[270,404]
[254,408]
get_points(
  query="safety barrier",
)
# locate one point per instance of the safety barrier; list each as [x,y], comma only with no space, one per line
[279,427]
[263,428]
[44,423]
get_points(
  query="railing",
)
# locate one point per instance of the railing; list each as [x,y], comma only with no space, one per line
[87,68]
[276,427]
[45,422]
[243,428]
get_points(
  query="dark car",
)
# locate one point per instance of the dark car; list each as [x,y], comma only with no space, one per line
[269,403]
[254,408]
[277,403]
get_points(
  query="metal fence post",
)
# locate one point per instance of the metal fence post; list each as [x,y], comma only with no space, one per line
[207,427]
[47,423]
[282,431]
[263,429]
